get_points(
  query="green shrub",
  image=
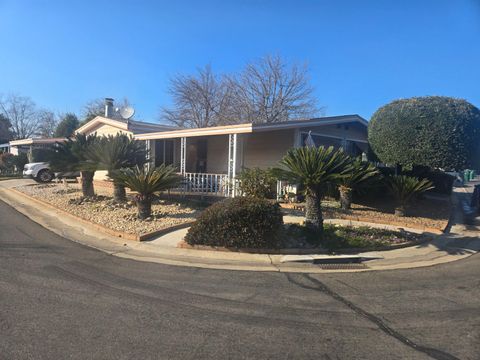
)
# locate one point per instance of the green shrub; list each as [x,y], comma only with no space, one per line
[243,222]
[434,131]
[257,183]
[443,182]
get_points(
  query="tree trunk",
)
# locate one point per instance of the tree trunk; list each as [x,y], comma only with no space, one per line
[87,183]
[119,193]
[400,210]
[313,212]
[345,197]
[144,207]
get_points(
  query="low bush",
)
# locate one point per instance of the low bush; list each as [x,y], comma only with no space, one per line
[443,182]
[10,163]
[257,183]
[243,222]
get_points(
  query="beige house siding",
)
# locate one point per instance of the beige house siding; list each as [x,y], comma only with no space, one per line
[266,149]
[105,129]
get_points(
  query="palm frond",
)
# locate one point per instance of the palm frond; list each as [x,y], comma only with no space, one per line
[114,152]
[359,175]
[313,167]
[70,154]
[147,182]
[404,188]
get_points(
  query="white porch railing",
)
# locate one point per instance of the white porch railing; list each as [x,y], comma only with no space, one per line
[217,185]
[205,184]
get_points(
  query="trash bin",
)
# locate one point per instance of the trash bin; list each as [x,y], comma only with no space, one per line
[466,176]
[472,174]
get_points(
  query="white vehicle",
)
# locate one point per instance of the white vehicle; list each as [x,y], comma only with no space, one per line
[38,171]
[41,172]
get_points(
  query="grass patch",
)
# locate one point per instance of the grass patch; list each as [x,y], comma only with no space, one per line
[348,237]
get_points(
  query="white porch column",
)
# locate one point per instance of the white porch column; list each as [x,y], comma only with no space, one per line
[183,154]
[150,157]
[232,164]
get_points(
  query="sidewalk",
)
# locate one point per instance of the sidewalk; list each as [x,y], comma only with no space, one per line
[461,242]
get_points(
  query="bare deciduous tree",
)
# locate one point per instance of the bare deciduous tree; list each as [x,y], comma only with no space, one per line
[200,100]
[21,111]
[270,90]
[96,107]
[266,91]
[47,123]
[93,108]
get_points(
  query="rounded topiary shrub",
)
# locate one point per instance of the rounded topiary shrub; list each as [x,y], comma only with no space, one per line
[435,131]
[239,223]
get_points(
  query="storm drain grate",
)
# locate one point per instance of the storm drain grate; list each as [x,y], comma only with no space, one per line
[351,266]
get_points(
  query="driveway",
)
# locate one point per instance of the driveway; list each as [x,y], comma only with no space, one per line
[59,299]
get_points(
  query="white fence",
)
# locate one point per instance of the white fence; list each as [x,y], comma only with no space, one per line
[205,184]
[218,185]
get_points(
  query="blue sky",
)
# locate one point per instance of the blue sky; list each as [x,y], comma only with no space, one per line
[361,54]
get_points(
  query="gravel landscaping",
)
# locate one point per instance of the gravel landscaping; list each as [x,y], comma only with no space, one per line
[102,210]
[429,213]
[337,237]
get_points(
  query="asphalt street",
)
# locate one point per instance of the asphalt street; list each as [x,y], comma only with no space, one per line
[62,300]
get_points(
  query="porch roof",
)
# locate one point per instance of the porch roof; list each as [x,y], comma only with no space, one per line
[251,127]
[32,141]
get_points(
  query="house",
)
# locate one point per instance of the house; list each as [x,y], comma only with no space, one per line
[210,158]
[110,124]
[28,145]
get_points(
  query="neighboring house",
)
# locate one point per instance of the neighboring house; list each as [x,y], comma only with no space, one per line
[28,145]
[210,158]
[5,147]
[110,125]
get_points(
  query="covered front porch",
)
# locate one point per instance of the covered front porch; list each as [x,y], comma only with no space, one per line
[208,164]
[210,159]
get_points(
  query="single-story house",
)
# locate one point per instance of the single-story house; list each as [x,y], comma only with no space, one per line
[109,125]
[210,158]
[27,145]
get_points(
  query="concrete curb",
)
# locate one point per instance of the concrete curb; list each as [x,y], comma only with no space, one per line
[163,251]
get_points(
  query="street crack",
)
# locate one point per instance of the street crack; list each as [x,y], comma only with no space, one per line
[320,286]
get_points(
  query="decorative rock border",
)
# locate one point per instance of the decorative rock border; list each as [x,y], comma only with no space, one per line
[104,229]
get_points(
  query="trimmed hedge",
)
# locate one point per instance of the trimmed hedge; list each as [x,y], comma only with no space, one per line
[435,131]
[242,222]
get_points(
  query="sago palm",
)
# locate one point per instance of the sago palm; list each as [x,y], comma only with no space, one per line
[70,155]
[405,188]
[146,183]
[358,175]
[112,153]
[313,168]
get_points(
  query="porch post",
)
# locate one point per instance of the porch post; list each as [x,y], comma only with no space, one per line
[148,148]
[232,164]
[183,145]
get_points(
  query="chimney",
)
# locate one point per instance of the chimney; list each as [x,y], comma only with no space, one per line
[108,107]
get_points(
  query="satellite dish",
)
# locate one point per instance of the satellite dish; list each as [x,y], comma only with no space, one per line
[127,112]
